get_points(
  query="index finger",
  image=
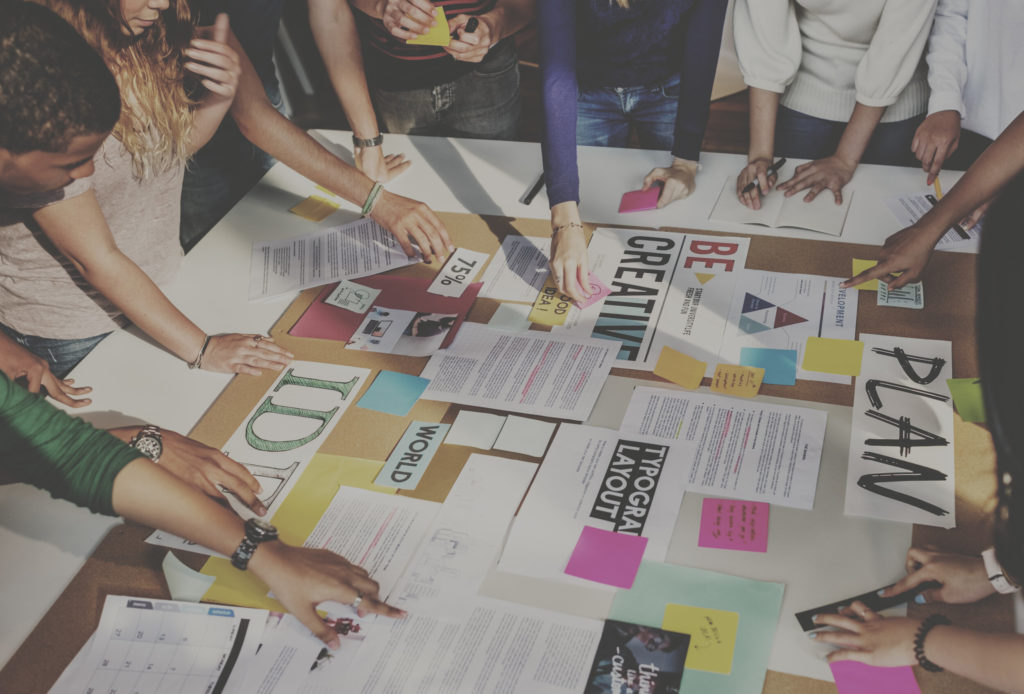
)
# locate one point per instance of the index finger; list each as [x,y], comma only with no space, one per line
[62,392]
[909,582]
[236,469]
[872,273]
[374,606]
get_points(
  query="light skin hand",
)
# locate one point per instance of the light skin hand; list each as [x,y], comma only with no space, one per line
[678,180]
[214,61]
[868,637]
[412,221]
[816,176]
[963,577]
[907,251]
[471,47]
[380,167]
[756,170]
[243,354]
[570,266]
[17,362]
[407,19]
[935,140]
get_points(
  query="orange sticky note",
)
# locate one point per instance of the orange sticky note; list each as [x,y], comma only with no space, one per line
[833,356]
[679,368]
[551,306]
[860,266]
[743,381]
[314,208]
[437,35]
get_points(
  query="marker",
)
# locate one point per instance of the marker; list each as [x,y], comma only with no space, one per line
[470,27]
[772,170]
[534,189]
[938,188]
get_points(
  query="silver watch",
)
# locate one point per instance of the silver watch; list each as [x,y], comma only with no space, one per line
[149,442]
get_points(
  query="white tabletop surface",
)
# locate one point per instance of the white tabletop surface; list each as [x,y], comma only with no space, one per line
[44,541]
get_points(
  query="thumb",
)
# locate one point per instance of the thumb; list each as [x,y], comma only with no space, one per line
[650,179]
[308,616]
[221,27]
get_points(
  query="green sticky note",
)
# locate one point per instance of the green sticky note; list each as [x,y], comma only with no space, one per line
[967,397]
[832,356]
[437,35]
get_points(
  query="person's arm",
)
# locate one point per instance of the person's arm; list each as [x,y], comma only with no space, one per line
[17,362]
[216,65]
[908,250]
[503,20]
[260,123]
[335,33]
[79,231]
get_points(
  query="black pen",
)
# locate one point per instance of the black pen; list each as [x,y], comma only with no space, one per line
[532,192]
[772,170]
[470,27]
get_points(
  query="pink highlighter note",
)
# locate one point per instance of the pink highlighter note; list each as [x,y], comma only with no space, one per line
[640,200]
[607,557]
[857,678]
[600,291]
[731,524]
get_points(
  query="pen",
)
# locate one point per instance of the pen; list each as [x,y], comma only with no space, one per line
[532,192]
[772,170]
[470,27]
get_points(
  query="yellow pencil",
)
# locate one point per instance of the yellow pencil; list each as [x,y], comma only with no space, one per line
[938,188]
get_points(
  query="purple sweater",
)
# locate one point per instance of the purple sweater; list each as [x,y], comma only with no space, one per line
[595,43]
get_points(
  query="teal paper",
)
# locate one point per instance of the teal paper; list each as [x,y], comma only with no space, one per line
[758,603]
[779,364]
[393,393]
[412,455]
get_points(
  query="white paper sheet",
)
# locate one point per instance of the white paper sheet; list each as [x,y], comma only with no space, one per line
[928,408]
[518,270]
[458,272]
[525,435]
[512,317]
[531,373]
[910,208]
[738,448]
[821,214]
[476,429]
[352,250]
[610,480]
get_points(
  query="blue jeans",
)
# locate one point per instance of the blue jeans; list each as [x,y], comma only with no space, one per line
[61,355]
[806,137]
[605,114]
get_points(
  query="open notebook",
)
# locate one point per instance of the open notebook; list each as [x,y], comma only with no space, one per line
[821,214]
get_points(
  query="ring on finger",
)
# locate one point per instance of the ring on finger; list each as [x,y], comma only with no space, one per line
[256,339]
[358,601]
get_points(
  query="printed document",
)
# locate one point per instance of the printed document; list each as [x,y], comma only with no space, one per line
[910,208]
[518,270]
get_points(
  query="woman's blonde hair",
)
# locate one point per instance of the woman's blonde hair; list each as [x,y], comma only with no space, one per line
[156,111]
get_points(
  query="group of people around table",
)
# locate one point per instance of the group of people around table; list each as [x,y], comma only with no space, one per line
[129,127]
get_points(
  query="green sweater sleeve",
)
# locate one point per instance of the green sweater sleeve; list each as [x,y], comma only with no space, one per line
[52,450]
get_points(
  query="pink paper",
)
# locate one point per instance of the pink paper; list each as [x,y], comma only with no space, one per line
[607,557]
[857,678]
[731,524]
[640,200]
[600,291]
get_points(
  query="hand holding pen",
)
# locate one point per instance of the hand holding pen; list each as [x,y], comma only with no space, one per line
[757,179]
[472,39]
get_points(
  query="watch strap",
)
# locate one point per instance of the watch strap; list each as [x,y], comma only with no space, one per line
[364,143]
[254,536]
[996,576]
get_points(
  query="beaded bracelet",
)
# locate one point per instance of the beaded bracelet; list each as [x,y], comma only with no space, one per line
[198,361]
[570,225]
[922,633]
[371,198]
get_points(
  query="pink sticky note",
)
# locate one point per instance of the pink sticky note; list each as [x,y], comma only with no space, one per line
[857,678]
[600,290]
[607,557]
[731,524]
[640,200]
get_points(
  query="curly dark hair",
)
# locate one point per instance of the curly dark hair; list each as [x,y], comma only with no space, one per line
[53,85]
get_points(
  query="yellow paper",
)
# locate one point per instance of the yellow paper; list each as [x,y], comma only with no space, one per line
[743,381]
[833,356]
[679,368]
[551,307]
[437,35]
[712,635]
[704,277]
[314,208]
[860,266]
[328,192]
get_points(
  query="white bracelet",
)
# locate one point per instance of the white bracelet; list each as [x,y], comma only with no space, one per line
[996,575]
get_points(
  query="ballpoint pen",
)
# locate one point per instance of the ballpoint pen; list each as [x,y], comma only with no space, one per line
[772,170]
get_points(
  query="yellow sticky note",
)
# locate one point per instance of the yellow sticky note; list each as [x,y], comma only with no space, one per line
[832,356]
[314,208]
[679,368]
[743,381]
[551,306]
[860,266]
[712,635]
[437,35]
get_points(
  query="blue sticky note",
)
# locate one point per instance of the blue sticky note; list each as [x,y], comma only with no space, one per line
[412,455]
[779,364]
[393,393]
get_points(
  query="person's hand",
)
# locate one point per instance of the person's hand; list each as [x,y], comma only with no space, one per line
[244,354]
[380,167]
[907,251]
[935,140]
[756,170]
[822,174]
[471,47]
[302,577]
[677,181]
[963,577]
[214,61]
[867,637]
[407,19]
[17,362]
[410,220]
[570,267]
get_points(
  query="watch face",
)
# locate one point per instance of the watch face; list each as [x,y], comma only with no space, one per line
[149,446]
[260,530]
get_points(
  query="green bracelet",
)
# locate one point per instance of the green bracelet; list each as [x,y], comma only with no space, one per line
[371,198]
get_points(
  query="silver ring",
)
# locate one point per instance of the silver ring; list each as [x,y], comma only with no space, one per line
[256,339]
[358,601]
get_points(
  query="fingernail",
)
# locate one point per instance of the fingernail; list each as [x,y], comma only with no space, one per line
[920,599]
[882,591]
[812,634]
[815,618]
[334,644]
[261,510]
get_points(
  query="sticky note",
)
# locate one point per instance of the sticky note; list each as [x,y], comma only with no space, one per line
[314,208]
[743,381]
[679,368]
[733,524]
[551,306]
[512,317]
[437,35]
[779,364]
[859,678]
[640,200]
[860,266]
[833,356]
[393,393]
[967,397]
[712,635]
[476,429]
[607,557]
[407,463]
[525,435]
[351,296]
[598,291]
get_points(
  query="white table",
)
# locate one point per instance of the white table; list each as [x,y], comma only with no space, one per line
[44,542]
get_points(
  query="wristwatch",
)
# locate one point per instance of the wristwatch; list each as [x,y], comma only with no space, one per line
[256,533]
[149,442]
[996,576]
[364,143]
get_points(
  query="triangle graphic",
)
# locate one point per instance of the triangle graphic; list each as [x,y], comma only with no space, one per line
[704,277]
[751,326]
[784,318]
[753,303]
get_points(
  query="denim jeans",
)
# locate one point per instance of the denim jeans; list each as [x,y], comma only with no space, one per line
[806,137]
[61,355]
[481,104]
[605,114]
